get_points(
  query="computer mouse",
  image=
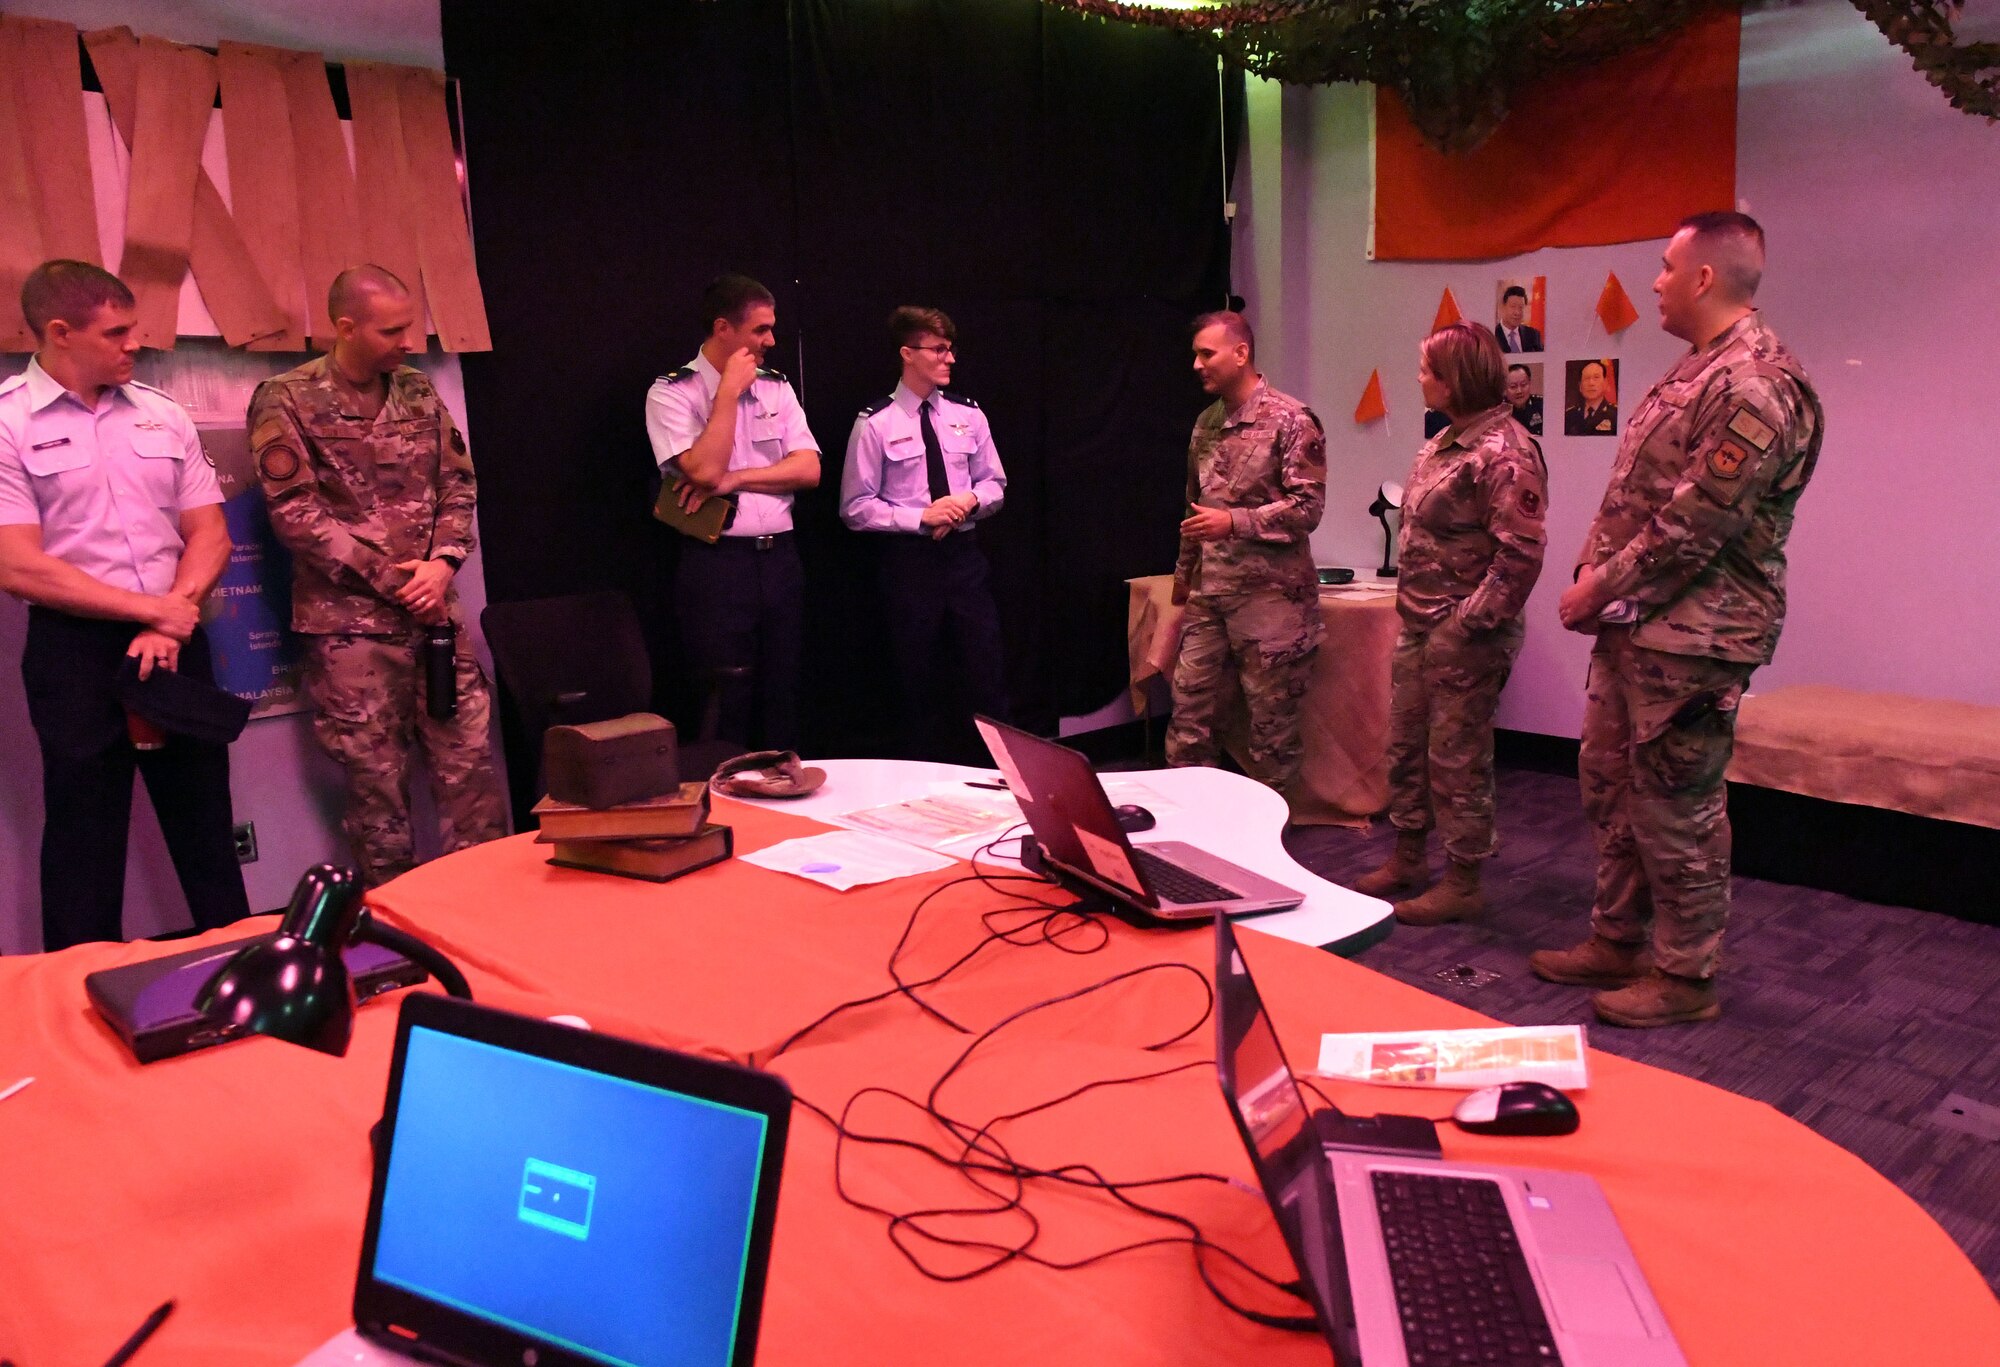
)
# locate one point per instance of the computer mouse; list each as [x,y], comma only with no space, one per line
[1132,817]
[1517,1108]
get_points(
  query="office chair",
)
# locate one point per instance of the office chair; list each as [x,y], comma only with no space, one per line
[582,658]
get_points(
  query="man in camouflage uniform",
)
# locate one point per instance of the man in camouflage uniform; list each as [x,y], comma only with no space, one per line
[1256,487]
[370,488]
[1682,578]
[1470,550]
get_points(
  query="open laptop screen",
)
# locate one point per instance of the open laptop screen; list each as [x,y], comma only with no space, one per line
[1275,1126]
[1064,802]
[594,1213]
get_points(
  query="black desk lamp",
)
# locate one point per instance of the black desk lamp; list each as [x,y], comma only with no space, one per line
[294,985]
[1388,499]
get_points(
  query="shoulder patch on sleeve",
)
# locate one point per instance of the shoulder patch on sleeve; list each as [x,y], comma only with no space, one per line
[278,464]
[957,397]
[766,373]
[457,441]
[153,389]
[1531,503]
[1313,418]
[870,410]
[1753,429]
[686,372]
[1727,460]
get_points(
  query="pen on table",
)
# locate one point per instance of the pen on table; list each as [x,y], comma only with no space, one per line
[9,1091]
[140,1335]
[999,787]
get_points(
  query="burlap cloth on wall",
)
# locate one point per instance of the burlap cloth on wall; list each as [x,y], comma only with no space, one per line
[1345,778]
[1918,755]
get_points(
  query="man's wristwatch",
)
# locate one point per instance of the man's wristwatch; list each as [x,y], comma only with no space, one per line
[452,560]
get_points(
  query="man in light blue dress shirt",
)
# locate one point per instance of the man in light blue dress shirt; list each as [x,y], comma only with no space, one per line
[733,429]
[111,530]
[922,471]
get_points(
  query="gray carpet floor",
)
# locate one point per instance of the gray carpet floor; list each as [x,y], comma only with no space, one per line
[1874,1025]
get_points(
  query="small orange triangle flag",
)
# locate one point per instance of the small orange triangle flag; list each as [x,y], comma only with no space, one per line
[1447,312]
[1614,306]
[1372,405]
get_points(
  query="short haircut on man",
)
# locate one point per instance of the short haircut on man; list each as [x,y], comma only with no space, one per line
[1602,369]
[70,290]
[1234,325]
[1466,359]
[1732,244]
[349,295]
[1523,369]
[1513,292]
[730,298]
[910,324]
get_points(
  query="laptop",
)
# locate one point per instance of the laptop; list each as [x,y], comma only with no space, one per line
[548,1196]
[1079,836]
[150,1004]
[1417,1262]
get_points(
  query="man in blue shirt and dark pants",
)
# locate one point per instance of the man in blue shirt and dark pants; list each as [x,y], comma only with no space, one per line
[921,469]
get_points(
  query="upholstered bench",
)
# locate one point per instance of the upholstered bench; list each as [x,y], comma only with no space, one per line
[1875,795]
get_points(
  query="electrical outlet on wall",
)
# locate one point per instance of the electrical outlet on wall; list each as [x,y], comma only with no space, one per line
[246,842]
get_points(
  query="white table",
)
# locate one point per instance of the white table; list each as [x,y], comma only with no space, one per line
[1227,814]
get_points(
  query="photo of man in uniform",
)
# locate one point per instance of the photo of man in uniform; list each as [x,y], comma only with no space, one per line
[1524,393]
[1592,390]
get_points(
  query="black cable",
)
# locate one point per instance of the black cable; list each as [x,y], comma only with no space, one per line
[982,1158]
[981,1152]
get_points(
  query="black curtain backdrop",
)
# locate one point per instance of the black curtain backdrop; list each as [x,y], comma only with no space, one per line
[1052,182]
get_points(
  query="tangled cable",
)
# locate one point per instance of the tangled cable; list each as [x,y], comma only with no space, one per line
[977,1153]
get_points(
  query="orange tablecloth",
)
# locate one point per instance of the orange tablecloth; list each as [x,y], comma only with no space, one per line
[1345,716]
[236,1180]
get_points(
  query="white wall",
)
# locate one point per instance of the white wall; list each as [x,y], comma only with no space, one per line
[278,777]
[1879,201]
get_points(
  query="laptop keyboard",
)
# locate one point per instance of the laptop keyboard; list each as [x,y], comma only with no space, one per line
[1172,883]
[1463,1291]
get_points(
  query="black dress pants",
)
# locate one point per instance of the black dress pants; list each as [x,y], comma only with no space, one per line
[939,599]
[741,605]
[70,666]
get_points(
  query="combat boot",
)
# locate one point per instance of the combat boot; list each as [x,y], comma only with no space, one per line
[1455,898]
[1405,871]
[1659,998]
[1597,962]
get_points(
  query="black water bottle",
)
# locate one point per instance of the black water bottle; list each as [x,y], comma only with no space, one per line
[440,670]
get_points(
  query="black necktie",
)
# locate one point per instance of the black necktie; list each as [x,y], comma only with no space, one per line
[933,454]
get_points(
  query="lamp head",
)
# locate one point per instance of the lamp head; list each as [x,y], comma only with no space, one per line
[295,985]
[1388,499]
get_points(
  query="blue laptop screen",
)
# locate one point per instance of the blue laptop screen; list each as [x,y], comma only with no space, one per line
[598,1214]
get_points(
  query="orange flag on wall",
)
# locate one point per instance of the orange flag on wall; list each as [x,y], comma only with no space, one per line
[1373,405]
[1618,152]
[1614,306]
[1447,312]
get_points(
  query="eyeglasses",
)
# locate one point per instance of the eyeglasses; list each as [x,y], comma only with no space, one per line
[942,349]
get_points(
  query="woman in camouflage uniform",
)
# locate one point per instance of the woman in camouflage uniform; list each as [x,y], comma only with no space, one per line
[1470,549]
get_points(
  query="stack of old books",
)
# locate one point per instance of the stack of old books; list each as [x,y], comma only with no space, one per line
[616,804]
[656,838]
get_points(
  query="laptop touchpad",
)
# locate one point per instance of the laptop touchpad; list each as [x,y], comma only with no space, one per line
[1591,1297]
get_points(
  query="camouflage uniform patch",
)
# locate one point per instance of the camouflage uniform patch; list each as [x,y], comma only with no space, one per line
[1658,730]
[351,497]
[1692,534]
[1264,641]
[1446,684]
[367,694]
[1469,552]
[1253,596]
